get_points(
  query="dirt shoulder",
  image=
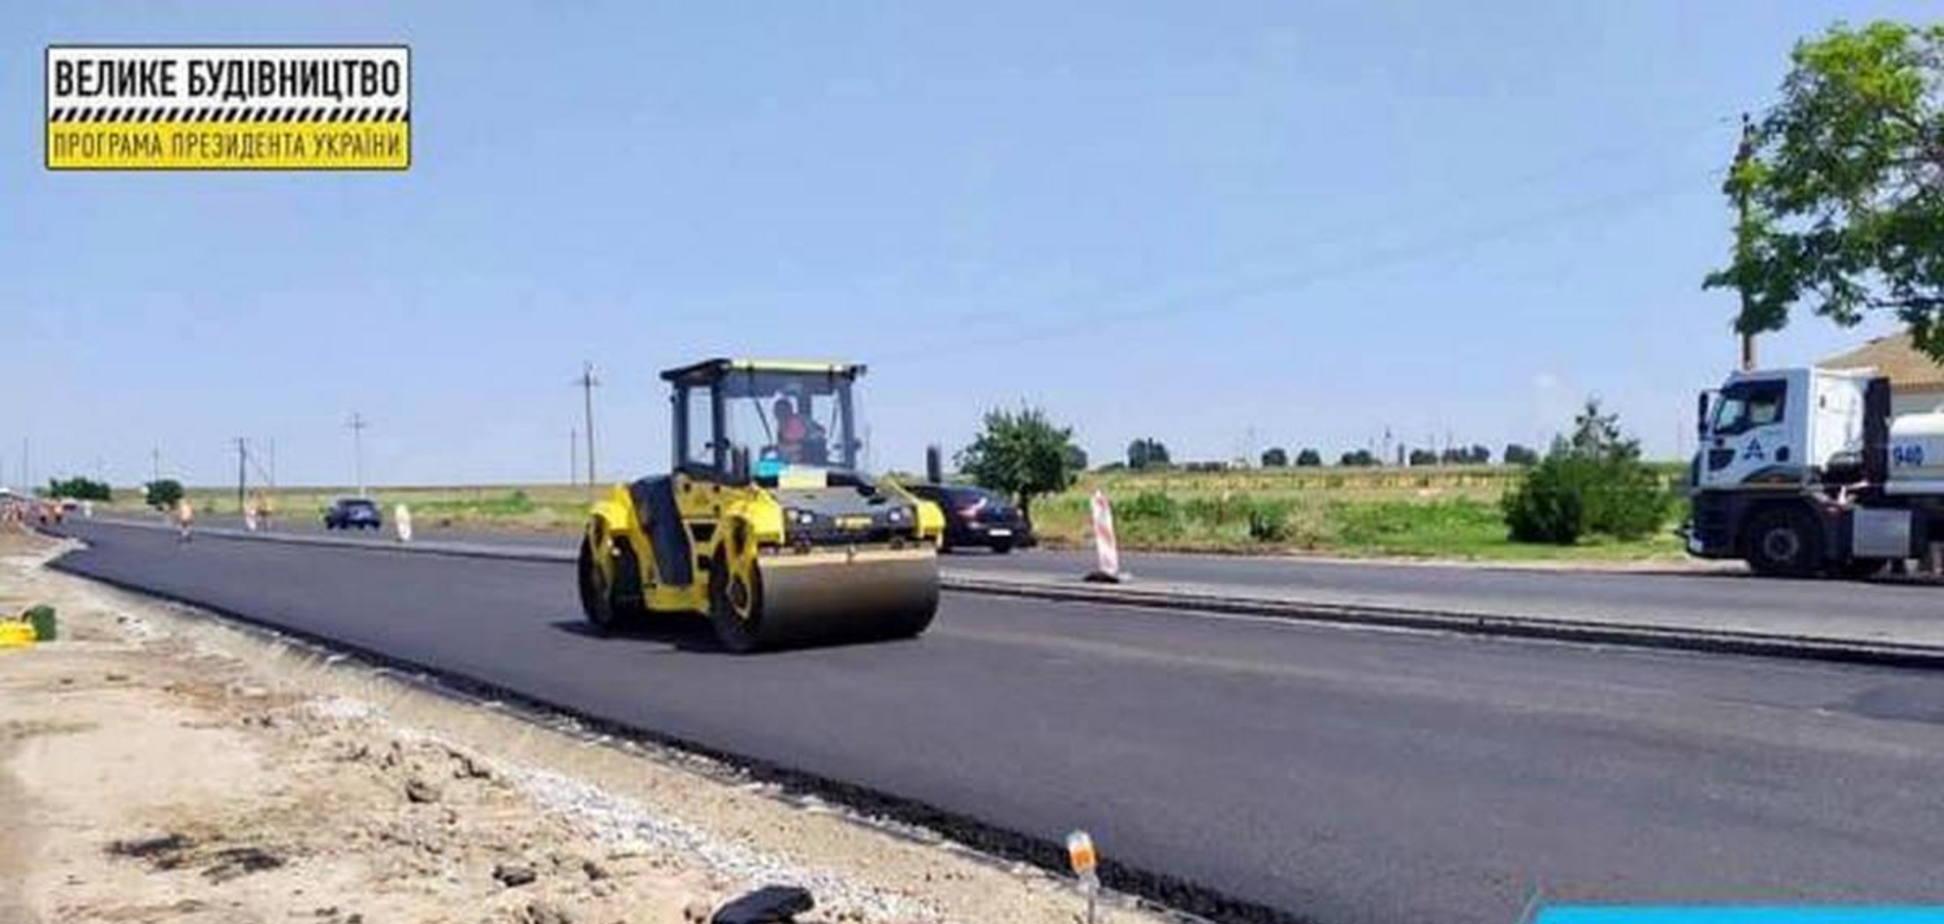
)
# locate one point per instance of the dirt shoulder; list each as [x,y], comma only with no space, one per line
[158,765]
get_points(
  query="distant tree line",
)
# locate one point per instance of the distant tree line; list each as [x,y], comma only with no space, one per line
[79,489]
[1148,453]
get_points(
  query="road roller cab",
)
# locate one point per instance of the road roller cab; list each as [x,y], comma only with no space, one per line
[766,522]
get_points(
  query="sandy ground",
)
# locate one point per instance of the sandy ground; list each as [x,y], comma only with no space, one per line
[157,765]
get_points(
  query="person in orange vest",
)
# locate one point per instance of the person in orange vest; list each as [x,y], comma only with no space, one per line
[185,519]
[791,430]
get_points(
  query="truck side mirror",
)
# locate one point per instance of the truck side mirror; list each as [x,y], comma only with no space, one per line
[934,465]
[739,465]
[1701,415]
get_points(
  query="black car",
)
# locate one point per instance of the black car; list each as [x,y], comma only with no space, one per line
[353,513]
[978,517]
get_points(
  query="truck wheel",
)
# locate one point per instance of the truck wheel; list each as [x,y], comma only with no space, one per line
[1784,541]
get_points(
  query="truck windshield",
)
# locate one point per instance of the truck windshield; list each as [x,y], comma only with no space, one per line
[1747,405]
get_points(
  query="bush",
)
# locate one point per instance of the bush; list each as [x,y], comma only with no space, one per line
[1269,521]
[1309,458]
[1548,505]
[163,494]
[1275,458]
[1567,497]
[79,489]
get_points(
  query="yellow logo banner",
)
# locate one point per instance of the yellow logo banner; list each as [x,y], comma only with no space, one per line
[229,108]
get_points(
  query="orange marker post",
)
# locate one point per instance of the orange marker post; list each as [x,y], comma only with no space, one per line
[1085,864]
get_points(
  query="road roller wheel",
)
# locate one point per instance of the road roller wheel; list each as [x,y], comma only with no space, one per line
[909,624]
[763,604]
[604,601]
[736,606]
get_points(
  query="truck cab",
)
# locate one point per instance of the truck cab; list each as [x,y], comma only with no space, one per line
[1783,428]
[1802,472]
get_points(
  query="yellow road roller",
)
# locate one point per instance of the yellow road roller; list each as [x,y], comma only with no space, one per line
[766,523]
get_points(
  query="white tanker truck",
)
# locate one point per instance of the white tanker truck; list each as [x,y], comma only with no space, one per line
[1804,472]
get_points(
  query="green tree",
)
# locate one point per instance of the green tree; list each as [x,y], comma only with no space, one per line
[1021,454]
[1309,458]
[79,489]
[1597,436]
[1357,458]
[1843,183]
[1076,458]
[1275,457]
[1519,454]
[163,494]
[1147,453]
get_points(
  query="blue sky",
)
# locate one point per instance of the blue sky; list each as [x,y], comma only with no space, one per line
[1224,225]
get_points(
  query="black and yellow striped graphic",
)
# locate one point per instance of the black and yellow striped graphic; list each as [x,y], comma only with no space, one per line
[242,138]
[229,114]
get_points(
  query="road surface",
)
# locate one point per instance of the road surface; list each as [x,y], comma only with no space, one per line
[1337,775]
[1726,599]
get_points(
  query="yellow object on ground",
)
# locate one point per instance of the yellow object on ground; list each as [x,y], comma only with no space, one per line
[16,634]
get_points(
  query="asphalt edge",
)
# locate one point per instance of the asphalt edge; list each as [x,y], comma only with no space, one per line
[1619,634]
[1164,891]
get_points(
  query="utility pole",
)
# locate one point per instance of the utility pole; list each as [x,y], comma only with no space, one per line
[155,463]
[26,465]
[242,471]
[573,457]
[588,383]
[1743,153]
[358,426]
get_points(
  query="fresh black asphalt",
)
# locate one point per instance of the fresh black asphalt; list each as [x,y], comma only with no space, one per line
[1337,775]
[1729,599]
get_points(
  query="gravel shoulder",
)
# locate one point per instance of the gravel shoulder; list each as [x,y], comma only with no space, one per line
[157,764]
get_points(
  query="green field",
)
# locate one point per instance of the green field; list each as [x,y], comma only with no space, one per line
[1433,512]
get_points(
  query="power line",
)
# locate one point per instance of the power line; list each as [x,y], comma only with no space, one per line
[1282,281]
[1575,162]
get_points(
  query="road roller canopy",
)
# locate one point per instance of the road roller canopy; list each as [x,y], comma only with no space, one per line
[784,415]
